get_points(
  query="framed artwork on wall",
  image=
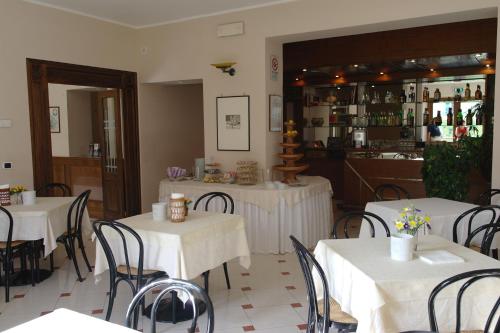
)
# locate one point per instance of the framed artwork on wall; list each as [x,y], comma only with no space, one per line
[55,119]
[275,113]
[233,123]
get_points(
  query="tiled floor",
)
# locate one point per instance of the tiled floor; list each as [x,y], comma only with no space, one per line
[269,297]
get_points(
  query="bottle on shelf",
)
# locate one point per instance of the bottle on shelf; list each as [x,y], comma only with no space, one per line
[467,92]
[479,117]
[400,117]
[439,119]
[458,94]
[449,117]
[402,96]
[425,95]
[411,95]
[411,118]
[468,118]
[437,95]
[426,117]
[478,94]
[460,116]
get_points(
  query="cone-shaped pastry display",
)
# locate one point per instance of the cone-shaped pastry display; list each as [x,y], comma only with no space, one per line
[290,168]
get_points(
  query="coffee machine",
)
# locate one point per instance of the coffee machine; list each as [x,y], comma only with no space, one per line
[359,137]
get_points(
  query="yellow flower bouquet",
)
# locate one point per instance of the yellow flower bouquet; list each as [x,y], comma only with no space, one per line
[17,189]
[411,220]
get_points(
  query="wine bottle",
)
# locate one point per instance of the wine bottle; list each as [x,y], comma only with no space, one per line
[400,117]
[468,118]
[449,118]
[402,96]
[460,117]
[439,119]
[411,95]
[426,117]
[411,117]
[467,92]
[478,94]
[479,117]
[425,95]
[437,95]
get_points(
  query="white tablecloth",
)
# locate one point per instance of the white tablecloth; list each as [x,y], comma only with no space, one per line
[63,320]
[389,296]
[271,215]
[182,250]
[443,214]
[46,219]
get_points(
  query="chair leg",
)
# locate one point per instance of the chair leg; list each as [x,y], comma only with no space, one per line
[71,244]
[51,258]
[227,275]
[32,266]
[112,294]
[7,278]
[174,306]
[36,256]
[82,248]
[205,277]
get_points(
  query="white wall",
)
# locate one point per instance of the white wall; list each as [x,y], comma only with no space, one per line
[32,31]
[185,50]
[58,96]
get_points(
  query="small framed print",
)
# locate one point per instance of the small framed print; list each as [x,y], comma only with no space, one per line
[233,123]
[275,113]
[55,119]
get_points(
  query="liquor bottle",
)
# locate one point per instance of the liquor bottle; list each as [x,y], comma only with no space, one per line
[400,117]
[411,95]
[439,119]
[468,118]
[460,116]
[425,95]
[467,92]
[402,96]
[437,95]
[478,94]
[458,94]
[449,118]
[479,117]
[426,117]
[411,118]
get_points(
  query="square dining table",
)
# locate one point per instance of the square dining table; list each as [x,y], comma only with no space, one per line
[443,213]
[183,250]
[389,296]
[46,219]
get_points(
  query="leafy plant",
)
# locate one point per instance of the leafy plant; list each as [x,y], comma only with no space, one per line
[445,171]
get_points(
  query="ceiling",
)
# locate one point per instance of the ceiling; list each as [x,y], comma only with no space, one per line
[143,13]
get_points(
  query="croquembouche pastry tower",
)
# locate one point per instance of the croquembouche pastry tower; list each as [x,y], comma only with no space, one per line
[290,168]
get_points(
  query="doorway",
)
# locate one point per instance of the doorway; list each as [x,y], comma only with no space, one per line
[116,108]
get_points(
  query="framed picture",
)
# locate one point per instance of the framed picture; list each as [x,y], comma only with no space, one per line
[275,113]
[55,119]
[233,123]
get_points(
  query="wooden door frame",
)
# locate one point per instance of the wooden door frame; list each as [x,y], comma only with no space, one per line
[40,74]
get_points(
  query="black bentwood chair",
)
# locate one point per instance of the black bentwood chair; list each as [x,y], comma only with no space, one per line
[10,248]
[192,290]
[490,230]
[317,319]
[228,206]
[54,190]
[347,218]
[74,232]
[474,217]
[128,272]
[472,277]
[385,192]
[486,196]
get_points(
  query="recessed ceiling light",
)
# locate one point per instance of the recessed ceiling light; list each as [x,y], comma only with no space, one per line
[337,76]
[356,65]
[338,88]
[478,54]
[488,65]
[296,79]
[304,69]
[381,73]
[373,86]
[413,60]
[432,69]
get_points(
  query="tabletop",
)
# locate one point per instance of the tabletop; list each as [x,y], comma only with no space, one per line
[183,250]
[391,296]
[257,195]
[42,206]
[64,320]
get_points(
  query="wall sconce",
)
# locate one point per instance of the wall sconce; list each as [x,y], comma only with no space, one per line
[226,67]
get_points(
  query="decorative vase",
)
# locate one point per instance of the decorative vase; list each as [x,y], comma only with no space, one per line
[15,198]
[402,247]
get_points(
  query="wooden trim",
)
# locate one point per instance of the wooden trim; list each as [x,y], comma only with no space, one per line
[40,74]
[394,45]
